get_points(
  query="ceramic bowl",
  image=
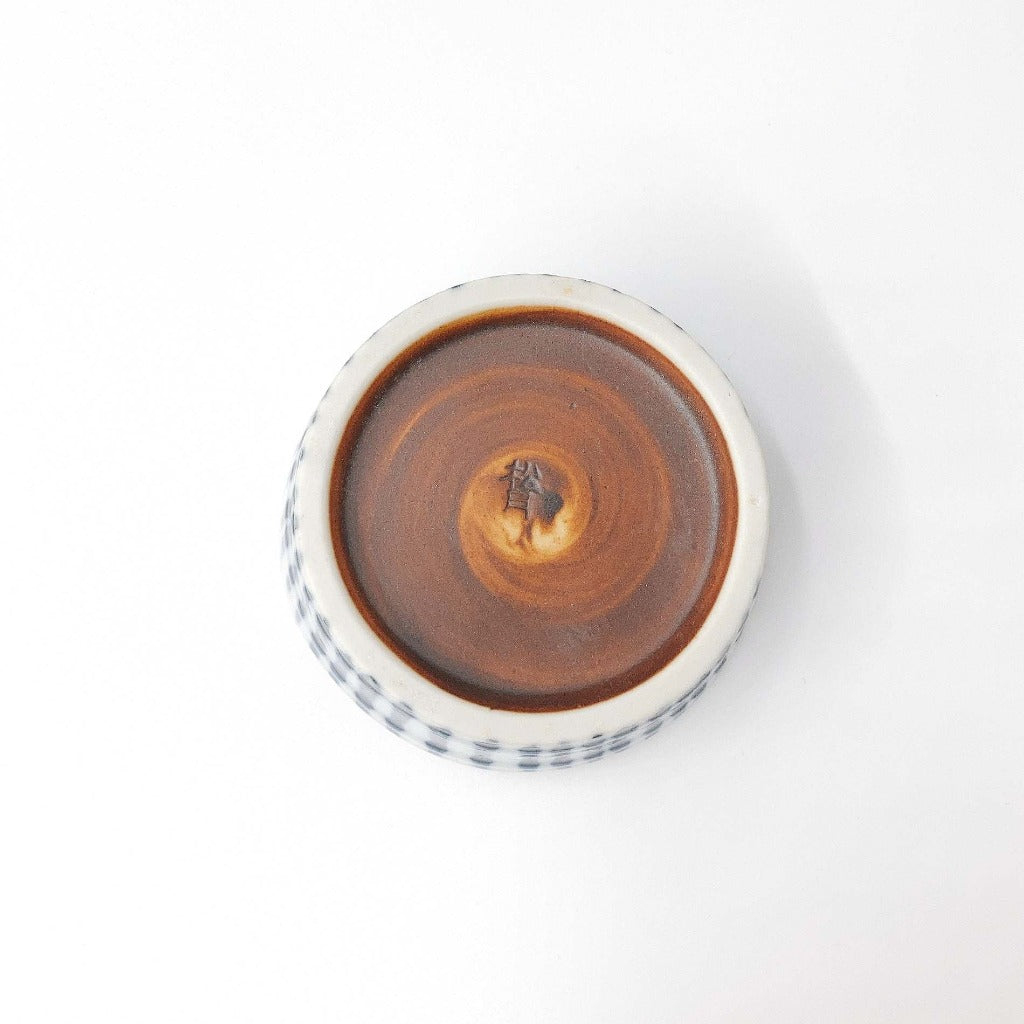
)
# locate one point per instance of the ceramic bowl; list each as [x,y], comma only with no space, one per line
[391,689]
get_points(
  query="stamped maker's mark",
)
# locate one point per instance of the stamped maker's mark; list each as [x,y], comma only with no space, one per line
[527,493]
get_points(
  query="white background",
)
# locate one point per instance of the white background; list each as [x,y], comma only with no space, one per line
[205,207]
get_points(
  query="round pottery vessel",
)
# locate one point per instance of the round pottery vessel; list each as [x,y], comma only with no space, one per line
[526,523]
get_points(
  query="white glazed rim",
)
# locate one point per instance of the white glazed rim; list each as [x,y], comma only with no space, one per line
[402,683]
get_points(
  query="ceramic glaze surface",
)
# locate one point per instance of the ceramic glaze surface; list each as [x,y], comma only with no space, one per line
[533,508]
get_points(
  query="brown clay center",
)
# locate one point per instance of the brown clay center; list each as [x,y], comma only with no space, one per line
[533,508]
